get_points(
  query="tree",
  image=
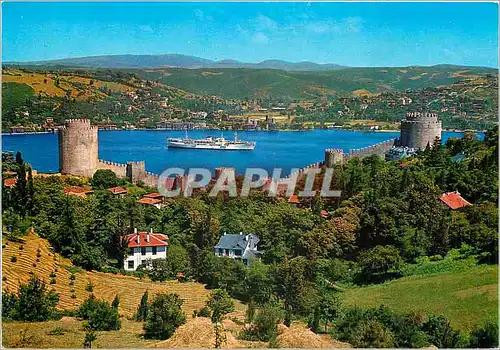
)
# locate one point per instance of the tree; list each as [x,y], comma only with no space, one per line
[440,333]
[378,261]
[34,303]
[327,309]
[265,324]
[484,337]
[164,316]
[142,310]
[90,336]
[21,190]
[104,178]
[100,316]
[116,302]
[221,304]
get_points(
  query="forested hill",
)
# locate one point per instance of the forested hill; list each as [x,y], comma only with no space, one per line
[268,83]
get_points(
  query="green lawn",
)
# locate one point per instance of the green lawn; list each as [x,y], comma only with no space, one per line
[467,298]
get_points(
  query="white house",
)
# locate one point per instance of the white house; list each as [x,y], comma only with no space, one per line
[145,246]
[239,246]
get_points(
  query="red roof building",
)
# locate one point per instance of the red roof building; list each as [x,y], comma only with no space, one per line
[77,191]
[150,201]
[454,200]
[155,195]
[293,199]
[10,182]
[323,213]
[118,190]
[145,247]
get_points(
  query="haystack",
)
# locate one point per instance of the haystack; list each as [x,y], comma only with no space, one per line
[298,336]
[197,333]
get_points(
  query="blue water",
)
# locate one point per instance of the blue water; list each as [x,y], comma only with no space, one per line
[283,149]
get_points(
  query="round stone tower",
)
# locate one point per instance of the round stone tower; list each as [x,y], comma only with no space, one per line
[419,129]
[78,148]
[333,157]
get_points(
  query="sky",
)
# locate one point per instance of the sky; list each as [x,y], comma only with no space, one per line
[353,34]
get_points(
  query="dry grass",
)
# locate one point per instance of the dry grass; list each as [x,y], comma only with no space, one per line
[106,286]
[197,333]
[37,82]
[298,336]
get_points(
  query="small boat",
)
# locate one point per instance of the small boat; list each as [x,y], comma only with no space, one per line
[219,143]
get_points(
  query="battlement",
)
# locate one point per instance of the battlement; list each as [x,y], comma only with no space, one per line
[107,162]
[333,156]
[78,121]
[421,115]
[379,148]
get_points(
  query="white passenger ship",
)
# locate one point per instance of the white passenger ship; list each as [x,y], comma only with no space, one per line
[219,143]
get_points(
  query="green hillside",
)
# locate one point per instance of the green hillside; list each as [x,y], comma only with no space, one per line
[467,298]
[259,83]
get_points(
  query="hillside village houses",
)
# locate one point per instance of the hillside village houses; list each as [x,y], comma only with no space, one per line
[238,246]
[144,247]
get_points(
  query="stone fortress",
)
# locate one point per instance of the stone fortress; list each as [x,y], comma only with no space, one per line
[420,129]
[78,150]
[79,155]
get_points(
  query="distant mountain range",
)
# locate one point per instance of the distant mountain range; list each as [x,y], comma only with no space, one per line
[178,61]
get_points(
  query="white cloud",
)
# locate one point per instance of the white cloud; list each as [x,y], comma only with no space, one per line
[265,23]
[260,38]
[146,28]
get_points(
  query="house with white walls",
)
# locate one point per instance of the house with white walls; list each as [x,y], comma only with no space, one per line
[238,246]
[143,247]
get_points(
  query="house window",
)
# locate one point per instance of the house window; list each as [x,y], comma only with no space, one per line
[154,250]
[143,250]
[131,264]
[237,252]
[226,252]
[221,251]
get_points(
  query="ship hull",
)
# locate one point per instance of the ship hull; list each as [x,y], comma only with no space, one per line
[227,147]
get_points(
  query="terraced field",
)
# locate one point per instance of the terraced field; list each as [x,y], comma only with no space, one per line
[106,286]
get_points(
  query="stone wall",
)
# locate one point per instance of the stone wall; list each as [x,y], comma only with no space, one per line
[78,148]
[379,149]
[119,169]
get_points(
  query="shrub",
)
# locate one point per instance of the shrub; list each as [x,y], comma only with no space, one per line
[34,265]
[33,303]
[104,178]
[142,310]
[3,246]
[116,302]
[37,260]
[484,337]
[90,287]
[73,296]
[4,278]
[13,259]
[265,324]
[164,316]
[72,277]
[52,281]
[99,314]
[38,255]
[21,247]
[203,312]
[379,261]
[52,274]
[440,333]
[72,290]
[71,283]
[57,331]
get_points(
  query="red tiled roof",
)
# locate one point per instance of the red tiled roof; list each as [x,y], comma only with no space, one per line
[117,190]
[9,172]
[154,195]
[454,200]
[10,182]
[294,199]
[402,165]
[323,213]
[150,201]
[155,240]
[77,190]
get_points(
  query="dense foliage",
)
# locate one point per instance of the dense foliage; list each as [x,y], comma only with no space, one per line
[164,316]
[100,316]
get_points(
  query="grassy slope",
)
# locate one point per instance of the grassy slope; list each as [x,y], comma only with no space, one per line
[241,83]
[467,298]
[106,286]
